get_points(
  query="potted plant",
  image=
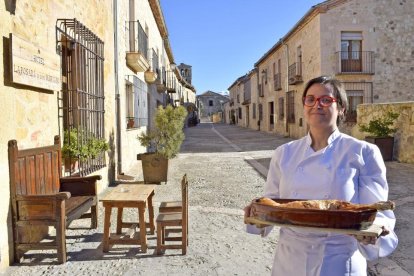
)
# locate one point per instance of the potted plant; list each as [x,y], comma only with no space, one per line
[96,146]
[163,143]
[130,122]
[381,130]
[73,150]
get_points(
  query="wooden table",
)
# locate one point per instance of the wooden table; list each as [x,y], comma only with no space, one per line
[128,196]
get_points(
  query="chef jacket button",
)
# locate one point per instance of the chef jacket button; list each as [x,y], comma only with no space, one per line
[325,196]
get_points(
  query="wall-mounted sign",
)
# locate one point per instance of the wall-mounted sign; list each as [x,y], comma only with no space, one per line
[34,66]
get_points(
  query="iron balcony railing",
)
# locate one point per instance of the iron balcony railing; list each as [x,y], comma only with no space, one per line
[295,73]
[171,82]
[277,78]
[161,75]
[355,62]
[153,58]
[136,38]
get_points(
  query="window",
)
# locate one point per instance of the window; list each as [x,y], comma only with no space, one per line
[351,47]
[129,105]
[81,101]
[254,111]
[240,113]
[354,99]
[210,103]
[277,76]
[279,66]
[271,113]
[281,108]
[136,102]
[260,112]
[290,106]
[247,90]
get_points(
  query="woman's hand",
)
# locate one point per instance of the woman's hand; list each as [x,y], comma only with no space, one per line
[370,239]
[247,210]
[247,214]
[365,240]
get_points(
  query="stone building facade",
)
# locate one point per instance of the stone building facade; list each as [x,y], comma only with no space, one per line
[365,44]
[210,103]
[31,82]
[244,106]
[113,60]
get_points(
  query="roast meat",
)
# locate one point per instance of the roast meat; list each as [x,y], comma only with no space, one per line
[328,204]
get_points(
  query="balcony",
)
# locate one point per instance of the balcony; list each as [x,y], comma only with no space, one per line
[161,80]
[246,102]
[151,74]
[171,82]
[137,47]
[295,73]
[277,79]
[356,62]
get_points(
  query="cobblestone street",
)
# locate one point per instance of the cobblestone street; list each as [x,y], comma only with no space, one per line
[225,166]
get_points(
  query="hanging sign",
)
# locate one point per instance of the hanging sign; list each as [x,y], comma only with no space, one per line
[34,66]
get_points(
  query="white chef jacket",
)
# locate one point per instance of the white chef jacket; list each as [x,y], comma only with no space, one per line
[347,169]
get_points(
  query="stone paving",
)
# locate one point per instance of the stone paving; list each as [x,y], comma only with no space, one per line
[225,166]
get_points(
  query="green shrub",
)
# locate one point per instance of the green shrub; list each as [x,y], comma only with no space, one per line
[168,134]
[381,126]
[90,148]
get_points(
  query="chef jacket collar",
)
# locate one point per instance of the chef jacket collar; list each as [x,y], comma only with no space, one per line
[331,138]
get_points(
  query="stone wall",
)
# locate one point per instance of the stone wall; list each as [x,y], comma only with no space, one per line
[30,114]
[404,137]
[394,42]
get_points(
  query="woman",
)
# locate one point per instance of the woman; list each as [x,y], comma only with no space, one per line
[327,164]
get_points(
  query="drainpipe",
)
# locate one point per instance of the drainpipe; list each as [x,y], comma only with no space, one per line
[117,96]
[287,85]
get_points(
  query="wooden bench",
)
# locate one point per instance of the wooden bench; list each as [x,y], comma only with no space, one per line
[40,198]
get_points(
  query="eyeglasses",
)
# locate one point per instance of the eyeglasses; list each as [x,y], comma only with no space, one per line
[324,101]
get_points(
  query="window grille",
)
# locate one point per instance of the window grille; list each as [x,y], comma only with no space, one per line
[254,111]
[81,100]
[281,108]
[260,112]
[136,102]
[271,113]
[357,93]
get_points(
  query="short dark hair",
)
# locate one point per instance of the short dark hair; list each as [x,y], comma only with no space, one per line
[338,92]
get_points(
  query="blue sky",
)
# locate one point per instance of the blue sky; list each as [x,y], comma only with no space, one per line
[222,39]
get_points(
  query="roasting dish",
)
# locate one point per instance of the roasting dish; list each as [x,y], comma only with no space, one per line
[360,219]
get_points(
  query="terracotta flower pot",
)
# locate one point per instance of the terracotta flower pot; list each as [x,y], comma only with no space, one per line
[154,167]
[385,144]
